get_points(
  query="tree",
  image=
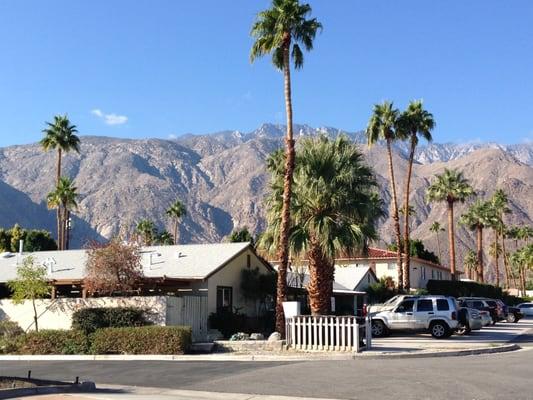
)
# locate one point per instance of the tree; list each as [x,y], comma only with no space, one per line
[479,216]
[176,212]
[450,187]
[499,203]
[241,235]
[436,228]
[63,198]
[470,262]
[334,210]
[113,267]
[279,31]
[522,260]
[34,239]
[383,125]
[414,122]
[165,238]
[495,250]
[31,284]
[417,249]
[147,231]
[60,135]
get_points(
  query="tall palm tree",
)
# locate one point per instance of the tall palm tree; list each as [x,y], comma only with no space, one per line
[147,231]
[436,228]
[60,135]
[279,31]
[479,216]
[176,212]
[470,262]
[495,251]
[415,122]
[499,203]
[450,187]
[522,260]
[334,210]
[63,198]
[383,125]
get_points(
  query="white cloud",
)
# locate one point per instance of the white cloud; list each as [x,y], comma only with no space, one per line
[172,136]
[110,119]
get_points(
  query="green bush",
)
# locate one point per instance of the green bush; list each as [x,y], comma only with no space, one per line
[381,291]
[89,320]
[53,342]
[142,340]
[10,332]
[227,322]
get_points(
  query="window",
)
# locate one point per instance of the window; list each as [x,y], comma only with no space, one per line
[406,306]
[442,305]
[424,305]
[224,298]
[478,305]
[248,261]
[424,273]
[391,266]
[432,274]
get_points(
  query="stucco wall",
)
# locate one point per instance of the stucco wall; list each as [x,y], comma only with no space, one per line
[57,314]
[230,276]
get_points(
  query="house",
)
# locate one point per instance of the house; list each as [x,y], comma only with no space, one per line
[383,263]
[202,277]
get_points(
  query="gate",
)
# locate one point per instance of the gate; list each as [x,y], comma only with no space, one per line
[189,311]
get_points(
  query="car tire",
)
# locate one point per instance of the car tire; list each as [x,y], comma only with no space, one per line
[439,330]
[463,330]
[511,318]
[379,329]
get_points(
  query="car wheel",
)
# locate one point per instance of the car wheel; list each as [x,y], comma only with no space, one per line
[378,329]
[439,330]
[511,318]
[463,330]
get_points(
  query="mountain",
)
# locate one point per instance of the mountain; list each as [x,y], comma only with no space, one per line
[221,178]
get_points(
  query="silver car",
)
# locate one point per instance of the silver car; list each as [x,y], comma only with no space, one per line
[526,308]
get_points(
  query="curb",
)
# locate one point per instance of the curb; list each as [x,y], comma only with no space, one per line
[265,357]
[84,387]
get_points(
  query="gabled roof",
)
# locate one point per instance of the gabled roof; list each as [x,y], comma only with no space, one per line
[347,278]
[187,262]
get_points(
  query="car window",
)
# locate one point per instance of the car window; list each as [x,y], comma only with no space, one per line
[406,306]
[424,305]
[442,305]
[491,303]
[478,304]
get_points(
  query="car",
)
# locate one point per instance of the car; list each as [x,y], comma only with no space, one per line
[526,308]
[514,314]
[434,314]
[483,304]
[469,320]
[486,319]
[390,303]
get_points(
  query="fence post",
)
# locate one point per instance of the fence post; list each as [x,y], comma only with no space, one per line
[368,332]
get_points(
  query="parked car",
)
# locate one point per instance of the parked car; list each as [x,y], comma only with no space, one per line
[434,314]
[486,319]
[514,314]
[526,308]
[469,320]
[483,304]
[390,303]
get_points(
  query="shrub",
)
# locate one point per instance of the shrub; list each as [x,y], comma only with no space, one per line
[382,291]
[90,319]
[54,342]
[142,340]
[10,332]
[227,322]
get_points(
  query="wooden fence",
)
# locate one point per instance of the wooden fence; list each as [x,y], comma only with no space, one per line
[325,332]
[190,311]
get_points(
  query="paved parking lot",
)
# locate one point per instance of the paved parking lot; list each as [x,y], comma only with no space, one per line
[501,333]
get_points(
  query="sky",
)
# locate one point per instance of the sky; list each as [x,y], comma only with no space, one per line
[162,68]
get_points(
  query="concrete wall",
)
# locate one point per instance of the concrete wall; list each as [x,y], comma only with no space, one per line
[57,314]
[230,276]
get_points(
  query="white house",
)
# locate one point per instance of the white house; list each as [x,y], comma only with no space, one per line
[196,280]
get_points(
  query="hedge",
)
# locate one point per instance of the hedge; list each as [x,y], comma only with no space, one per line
[53,342]
[142,340]
[470,289]
[90,319]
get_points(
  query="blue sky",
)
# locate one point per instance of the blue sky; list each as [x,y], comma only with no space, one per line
[154,68]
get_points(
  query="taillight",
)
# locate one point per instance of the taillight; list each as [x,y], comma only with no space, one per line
[365,310]
[454,315]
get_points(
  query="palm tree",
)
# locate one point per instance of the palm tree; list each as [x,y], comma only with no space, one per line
[450,187]
[499,203]
[165,238]
[436,228]
[60,135]
[334,210]
[414,122]
[479,216]
[522,260]
[176,212]
[470,262]
[495,251]
[147,231]
[279,31]
[383,126]
[63,198]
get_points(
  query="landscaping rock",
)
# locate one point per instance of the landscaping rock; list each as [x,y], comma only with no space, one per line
[257,336]
[239,336]
[275,336]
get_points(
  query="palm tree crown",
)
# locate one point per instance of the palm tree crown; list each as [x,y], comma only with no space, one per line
[63,198]
[451,186]
[176,212]
[279,26]
[60,134]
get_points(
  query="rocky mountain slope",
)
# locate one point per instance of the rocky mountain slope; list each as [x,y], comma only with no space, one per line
[222,179]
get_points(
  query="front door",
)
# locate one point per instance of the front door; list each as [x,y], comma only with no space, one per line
[402,317]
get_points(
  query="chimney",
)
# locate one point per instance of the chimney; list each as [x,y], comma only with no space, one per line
[21,246]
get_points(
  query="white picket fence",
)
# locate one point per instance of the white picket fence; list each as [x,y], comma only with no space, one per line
[324,332]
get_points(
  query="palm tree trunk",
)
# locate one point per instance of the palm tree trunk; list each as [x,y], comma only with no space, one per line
[176,231]
[407,241]
[320,288]
[497,258]
[396,218]
[58,216]
[523,279]
[67,230]
[283,251]
[58,178]
[505,264]
[438,247]
[451,240]
[479,232]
